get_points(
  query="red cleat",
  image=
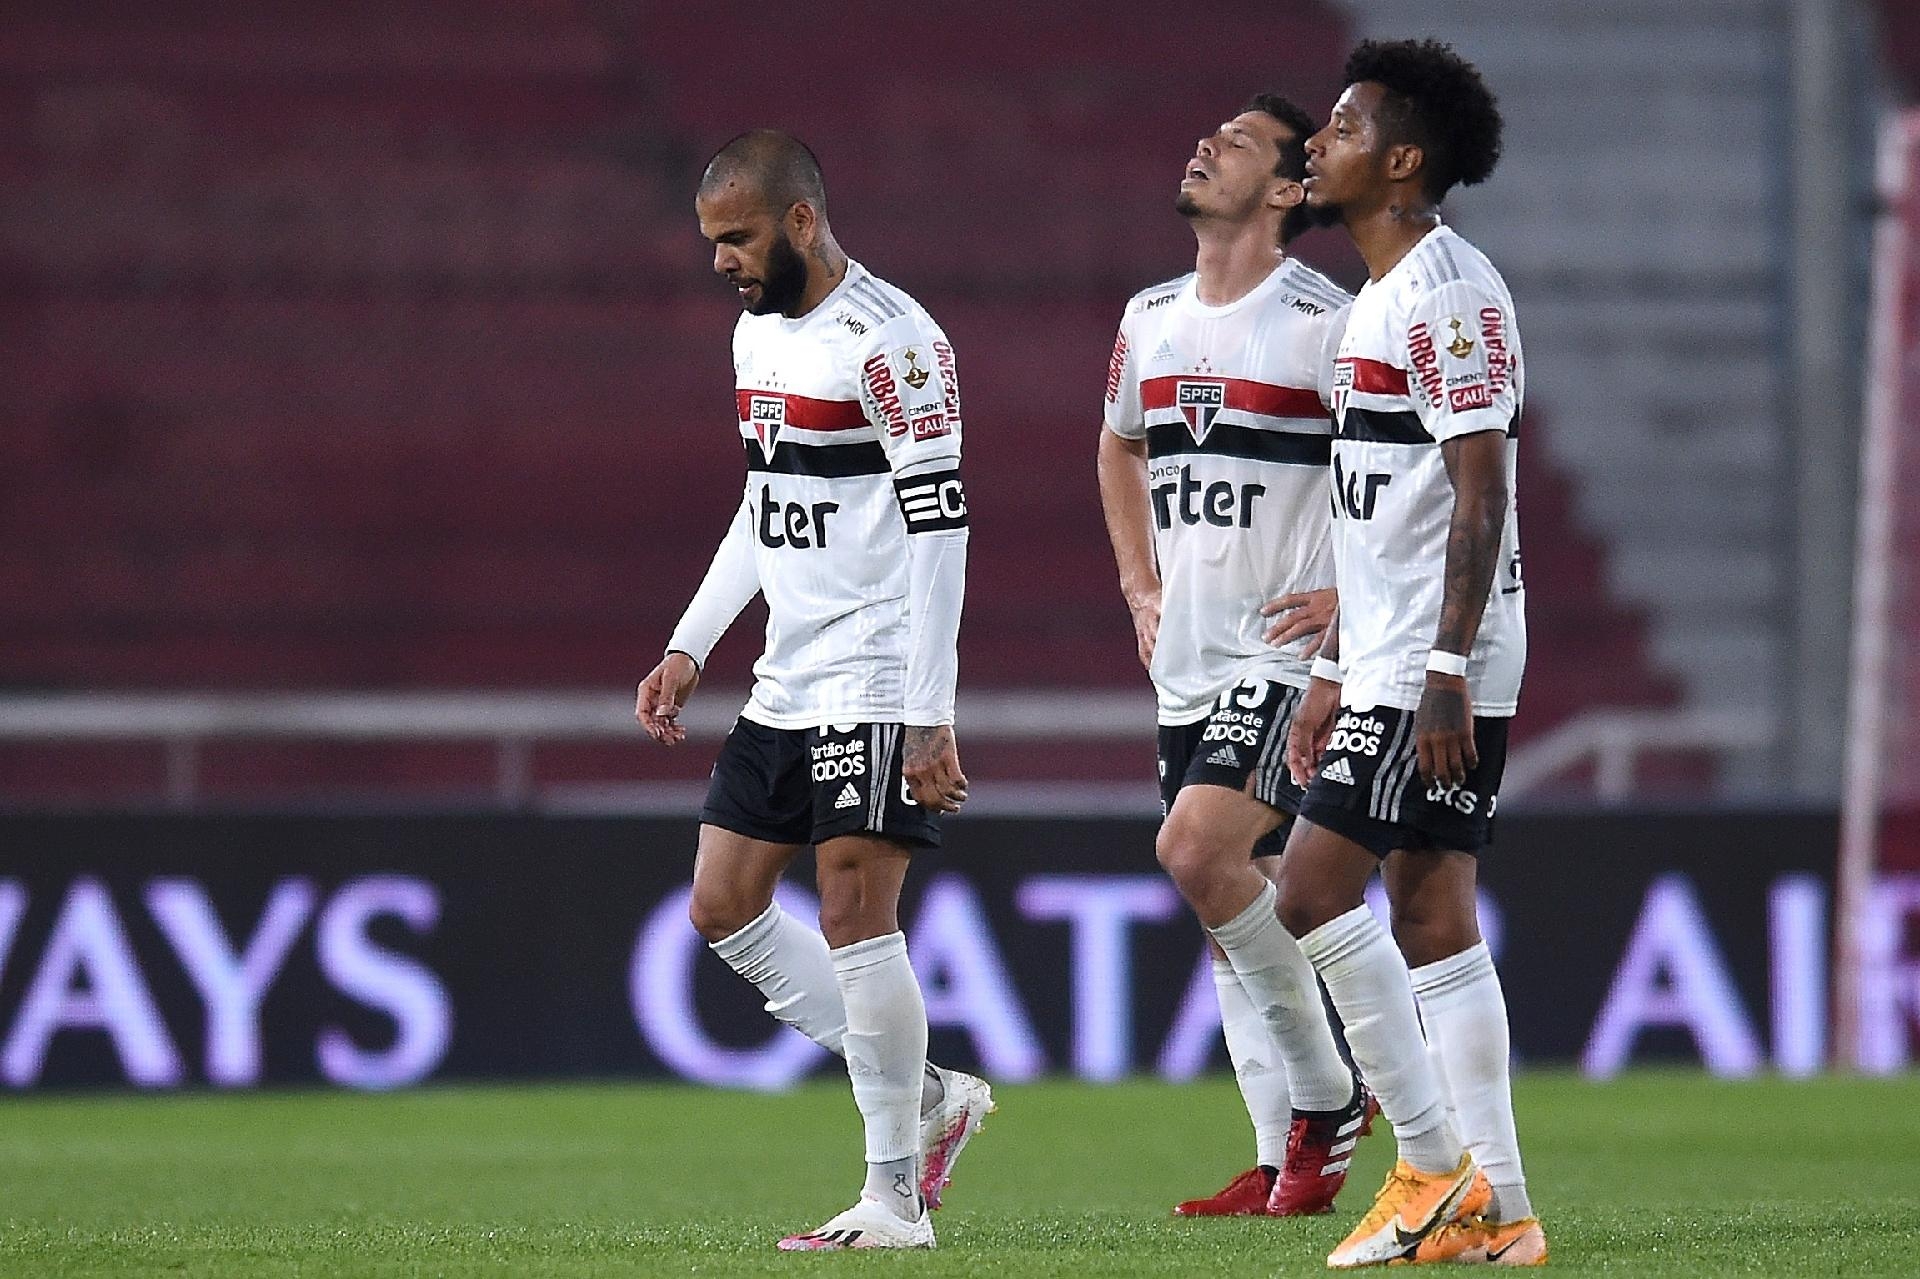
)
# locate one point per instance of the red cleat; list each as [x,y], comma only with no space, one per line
[1319,1147]
[1244,1196]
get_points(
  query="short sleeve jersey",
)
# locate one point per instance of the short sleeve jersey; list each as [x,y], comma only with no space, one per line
[1431,353]
[1232,402]
[850,417]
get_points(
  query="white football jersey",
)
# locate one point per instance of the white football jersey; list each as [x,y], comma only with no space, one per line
[1232,401]
[1431,353]
[850,416]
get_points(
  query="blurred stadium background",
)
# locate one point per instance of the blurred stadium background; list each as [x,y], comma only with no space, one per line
[366,426]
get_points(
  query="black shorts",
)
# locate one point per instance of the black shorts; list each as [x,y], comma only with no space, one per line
[1369,787]
[808,785]
[1244,736]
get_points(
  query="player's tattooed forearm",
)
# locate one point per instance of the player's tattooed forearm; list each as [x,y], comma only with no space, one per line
[1473,553]
[923,744]
[1444,709]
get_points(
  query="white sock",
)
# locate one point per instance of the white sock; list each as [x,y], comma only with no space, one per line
[1465,1014]
[790,964]
[1279,982]
[896,1183]
[1368,981]
[1256,1065]
[886,1043]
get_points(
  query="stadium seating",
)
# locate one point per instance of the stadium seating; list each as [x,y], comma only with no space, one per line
[370,345]
[1649,280]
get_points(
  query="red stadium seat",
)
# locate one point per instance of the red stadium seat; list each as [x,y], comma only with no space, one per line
[375,345]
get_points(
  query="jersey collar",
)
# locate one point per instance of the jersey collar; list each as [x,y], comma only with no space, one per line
[855,273]
[1190,296]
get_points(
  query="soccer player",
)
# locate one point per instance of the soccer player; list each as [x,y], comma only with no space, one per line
[1406,719]
[854,527]
[1213,472]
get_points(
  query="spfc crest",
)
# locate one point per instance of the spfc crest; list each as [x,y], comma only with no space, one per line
[1342,386]
[1200,403]
[767,413]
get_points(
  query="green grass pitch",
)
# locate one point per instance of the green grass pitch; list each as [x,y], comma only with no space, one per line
[1654,1175]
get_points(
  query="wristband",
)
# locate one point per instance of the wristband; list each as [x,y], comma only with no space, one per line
[1327,669]
[697,663]
[1444,663]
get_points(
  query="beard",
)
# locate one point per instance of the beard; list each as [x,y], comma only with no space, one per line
[785,279]
[1319,209]
[1303,217]
[1185,205]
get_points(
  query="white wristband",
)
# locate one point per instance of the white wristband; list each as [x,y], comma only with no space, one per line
[1444,663]
[1327,669]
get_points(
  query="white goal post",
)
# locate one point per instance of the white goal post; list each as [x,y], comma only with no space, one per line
[1880,702]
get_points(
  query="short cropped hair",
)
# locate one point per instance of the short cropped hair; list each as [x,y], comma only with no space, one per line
[780,166]
[1436,100]
[1293,154]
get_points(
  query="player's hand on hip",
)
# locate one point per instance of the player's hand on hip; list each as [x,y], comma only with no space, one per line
[1311,727]
[1146,626]
[662,693]
[1443,730]
[1301,613]
[932,769]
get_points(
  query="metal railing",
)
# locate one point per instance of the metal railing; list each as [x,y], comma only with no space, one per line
[515,722]
[1614,740]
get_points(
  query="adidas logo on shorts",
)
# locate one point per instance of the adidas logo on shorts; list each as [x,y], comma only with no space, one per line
[848,797]
[1225,755]
[1338,771]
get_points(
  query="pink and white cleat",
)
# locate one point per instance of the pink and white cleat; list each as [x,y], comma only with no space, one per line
[868,1224]
[948,1127]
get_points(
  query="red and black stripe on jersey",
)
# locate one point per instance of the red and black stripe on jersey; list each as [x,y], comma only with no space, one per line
[1234,439]
[1390,426]
[771,415]
[1173,439]
[802,412]
[1385,426]
[833,461]
[1242,395]
[931,501]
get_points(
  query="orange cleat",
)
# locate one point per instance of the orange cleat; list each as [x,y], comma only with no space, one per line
[1409,1208]
[1477,1241]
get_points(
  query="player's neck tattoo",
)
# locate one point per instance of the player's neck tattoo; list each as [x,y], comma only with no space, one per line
[830,264]
[1388,233]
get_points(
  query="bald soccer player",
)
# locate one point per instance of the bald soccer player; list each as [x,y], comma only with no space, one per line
[854,527]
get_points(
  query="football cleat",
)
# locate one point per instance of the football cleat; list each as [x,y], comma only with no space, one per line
[1319,1148]
[1477,1241]
[868,1224]
[1411,1206]
[1244,1196]
[945,1130]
